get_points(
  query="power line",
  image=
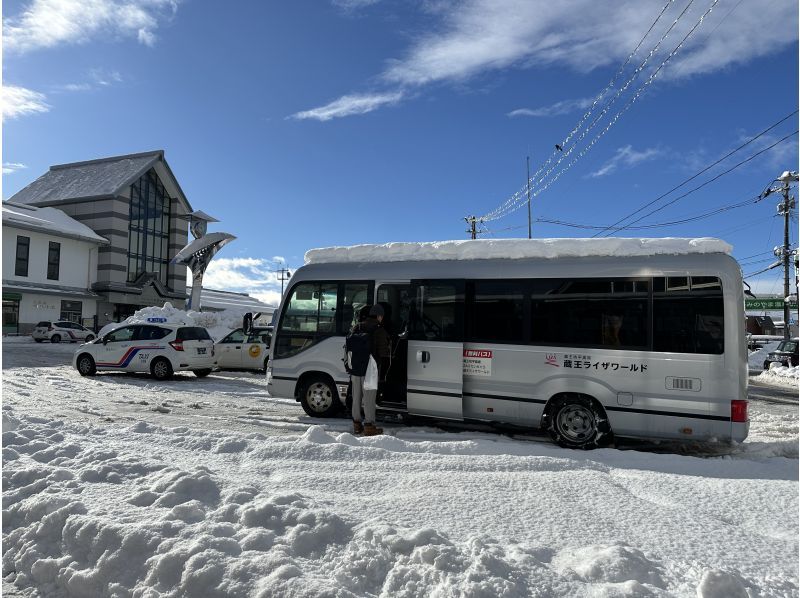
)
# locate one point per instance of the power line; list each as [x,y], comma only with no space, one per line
[494,214]
[714,212]
[513,203]
[709,181]
[706,169]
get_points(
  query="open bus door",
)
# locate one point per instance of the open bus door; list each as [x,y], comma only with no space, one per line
[435,349]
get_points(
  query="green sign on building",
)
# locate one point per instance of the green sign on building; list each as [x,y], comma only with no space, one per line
[768,304]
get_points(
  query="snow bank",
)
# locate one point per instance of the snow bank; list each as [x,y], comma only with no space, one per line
[218,323]
[87,511]
[480,249]
[755,360]
[781,375]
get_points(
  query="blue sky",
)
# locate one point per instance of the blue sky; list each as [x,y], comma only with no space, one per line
[312,123]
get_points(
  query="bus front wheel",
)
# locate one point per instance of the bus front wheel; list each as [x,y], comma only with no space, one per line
[318,397]
[578,422]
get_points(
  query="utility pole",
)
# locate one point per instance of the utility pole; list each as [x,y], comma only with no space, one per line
[472,221]
[528,184]
[284,274]
[785,208]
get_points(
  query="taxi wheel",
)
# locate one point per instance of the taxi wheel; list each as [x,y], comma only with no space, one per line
[161,369]
[202,373]
[318,397]
[56,338]
[86,365]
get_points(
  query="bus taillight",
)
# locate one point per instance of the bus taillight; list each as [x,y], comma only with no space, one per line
[739,411]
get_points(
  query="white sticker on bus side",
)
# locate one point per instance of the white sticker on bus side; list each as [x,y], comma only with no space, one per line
[477,362]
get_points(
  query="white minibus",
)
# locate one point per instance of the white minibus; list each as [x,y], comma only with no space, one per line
[584,338]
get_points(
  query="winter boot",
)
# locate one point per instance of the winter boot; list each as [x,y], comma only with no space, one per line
[372,430]
[358,428]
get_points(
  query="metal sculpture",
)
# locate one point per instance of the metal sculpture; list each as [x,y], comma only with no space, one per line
[197,255]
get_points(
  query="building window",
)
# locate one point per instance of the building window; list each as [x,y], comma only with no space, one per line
[23,250]
[53,260]
[148,233]
[71,311]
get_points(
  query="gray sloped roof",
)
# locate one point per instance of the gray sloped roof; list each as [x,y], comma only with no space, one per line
[96,178]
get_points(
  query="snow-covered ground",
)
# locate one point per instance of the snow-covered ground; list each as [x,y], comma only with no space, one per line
[121,486]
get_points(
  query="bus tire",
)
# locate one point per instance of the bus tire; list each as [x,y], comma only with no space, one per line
[318,396]
[578,422]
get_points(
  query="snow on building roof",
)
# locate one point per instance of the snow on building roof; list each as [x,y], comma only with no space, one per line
[213,299]
[95,178]
[48,220]
[480,249]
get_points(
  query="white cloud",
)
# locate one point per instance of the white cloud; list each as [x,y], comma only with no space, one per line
[19,101]
[467,39]
[557,109]
[98,78]
[351,5]
[626,157]
[482,35]
[254,276]
[51,23]
[349,105]
[12,167]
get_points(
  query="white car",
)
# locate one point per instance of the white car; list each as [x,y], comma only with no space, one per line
[238,351]
[156,348]
[55,332]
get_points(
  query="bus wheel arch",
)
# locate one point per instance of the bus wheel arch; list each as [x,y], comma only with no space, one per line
[317,394]
[576,420]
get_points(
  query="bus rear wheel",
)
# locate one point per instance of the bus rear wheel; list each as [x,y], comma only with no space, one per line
[577,422]
[318,397]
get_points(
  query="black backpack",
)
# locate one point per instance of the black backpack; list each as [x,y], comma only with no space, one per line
[357,348]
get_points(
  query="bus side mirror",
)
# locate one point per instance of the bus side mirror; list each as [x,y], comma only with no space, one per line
[403,335]
[247,323]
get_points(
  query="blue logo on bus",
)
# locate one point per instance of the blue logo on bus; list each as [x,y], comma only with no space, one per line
[156,320]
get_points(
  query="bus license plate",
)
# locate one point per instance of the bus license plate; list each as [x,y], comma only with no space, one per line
[201,351]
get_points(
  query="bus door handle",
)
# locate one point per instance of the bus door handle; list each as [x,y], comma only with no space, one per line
[423,356]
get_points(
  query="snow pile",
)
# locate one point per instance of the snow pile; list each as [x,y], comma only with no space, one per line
[127,511]
[780,374]
[218,323]
[755,360]
[481,249]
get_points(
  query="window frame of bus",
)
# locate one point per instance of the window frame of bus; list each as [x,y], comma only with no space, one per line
[459,315]
[316,337]
[647,297]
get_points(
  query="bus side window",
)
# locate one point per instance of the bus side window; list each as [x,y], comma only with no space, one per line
[688,315]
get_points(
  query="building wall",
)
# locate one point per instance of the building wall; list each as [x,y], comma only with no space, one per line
[75,266]
[108,218]
[35,307]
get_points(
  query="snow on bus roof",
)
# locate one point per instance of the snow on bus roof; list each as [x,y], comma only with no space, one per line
[481,249]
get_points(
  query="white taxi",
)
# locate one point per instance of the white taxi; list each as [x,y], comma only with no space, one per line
[240,351]
[157,348]
[55,332]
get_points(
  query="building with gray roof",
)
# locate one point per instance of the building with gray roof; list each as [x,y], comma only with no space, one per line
[135,202]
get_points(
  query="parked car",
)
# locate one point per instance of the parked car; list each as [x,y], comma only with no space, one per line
[785,353]
[240,351]
[55,332]
[159,349]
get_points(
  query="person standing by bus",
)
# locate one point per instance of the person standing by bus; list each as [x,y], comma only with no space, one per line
[375,341]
